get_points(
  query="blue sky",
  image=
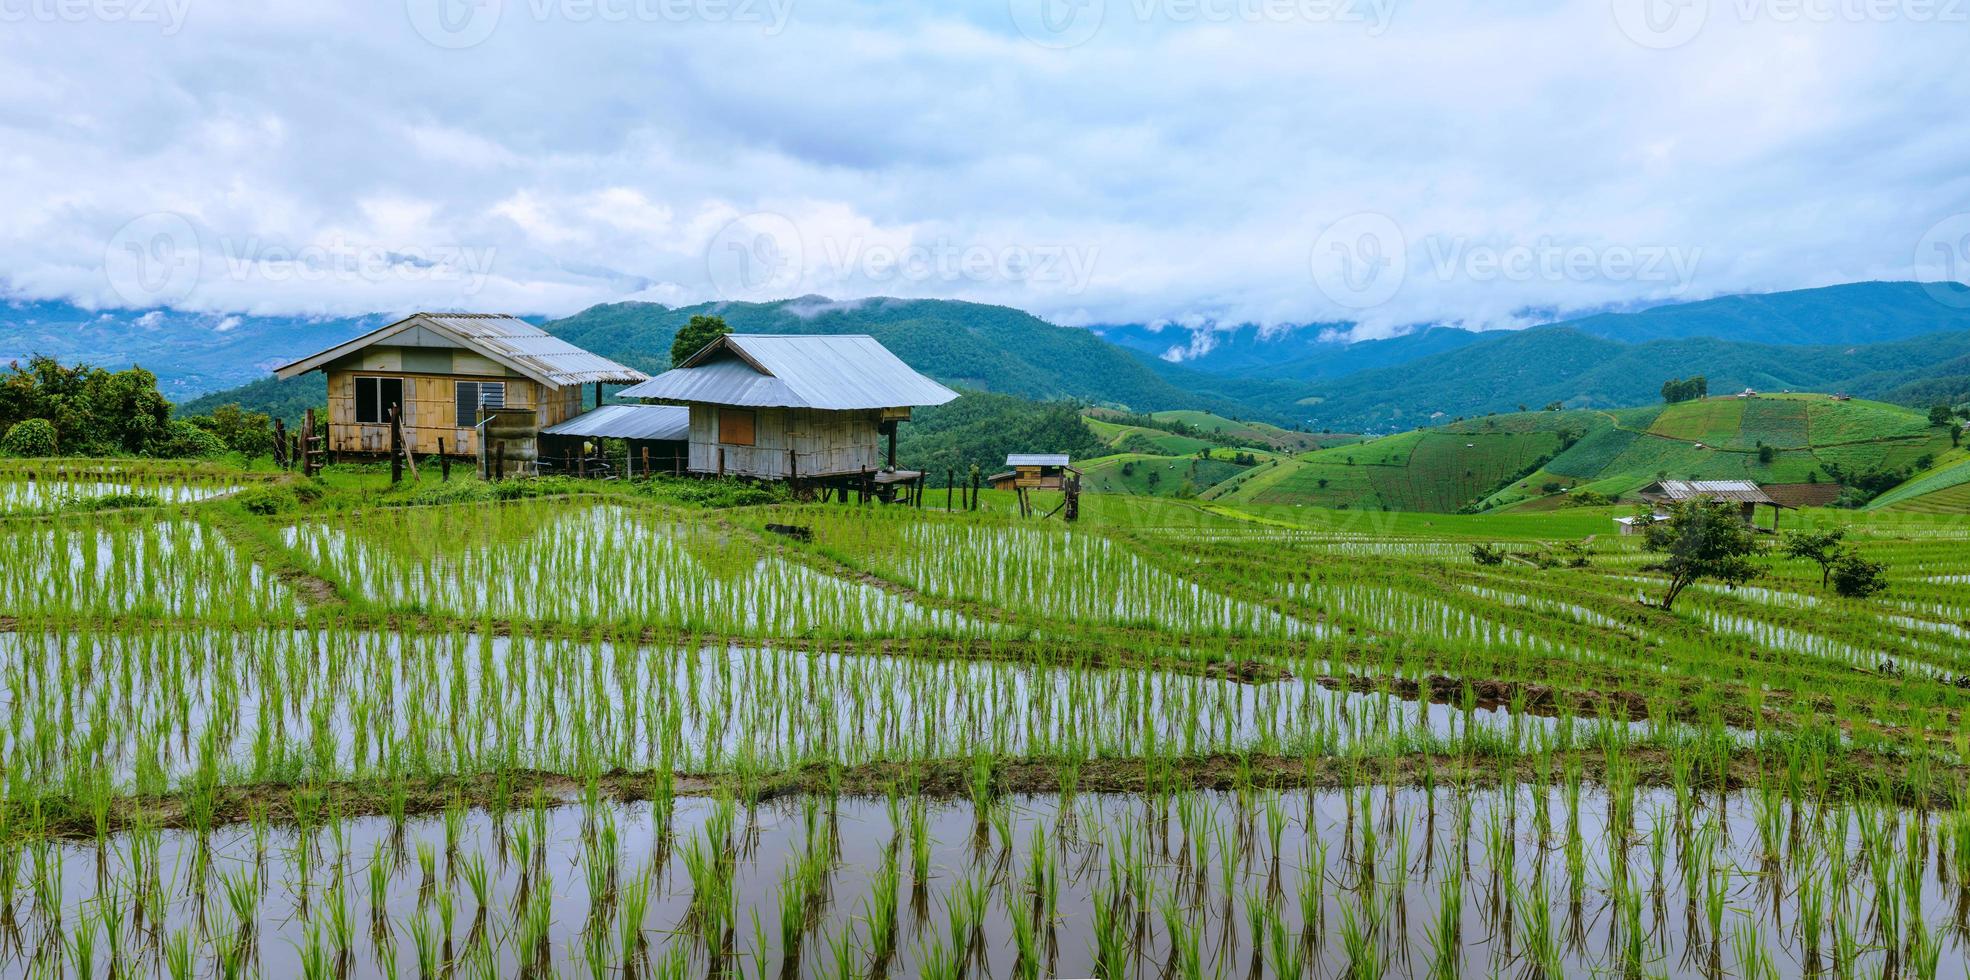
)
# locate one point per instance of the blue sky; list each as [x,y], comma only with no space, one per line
[1093,161]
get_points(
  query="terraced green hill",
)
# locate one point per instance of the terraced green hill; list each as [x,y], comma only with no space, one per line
[1507,460]
[1942,489]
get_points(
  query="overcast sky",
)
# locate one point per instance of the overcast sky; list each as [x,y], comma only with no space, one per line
[1092,161]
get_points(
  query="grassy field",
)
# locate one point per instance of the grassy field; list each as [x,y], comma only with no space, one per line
[553,728]
[1527,458]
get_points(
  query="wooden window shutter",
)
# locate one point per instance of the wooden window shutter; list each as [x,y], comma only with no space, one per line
[735,426]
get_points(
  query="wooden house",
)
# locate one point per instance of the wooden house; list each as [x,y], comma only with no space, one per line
[779,406]
[445,372]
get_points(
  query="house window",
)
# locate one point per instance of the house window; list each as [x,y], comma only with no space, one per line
[374,396]
[475,395]
[736,426]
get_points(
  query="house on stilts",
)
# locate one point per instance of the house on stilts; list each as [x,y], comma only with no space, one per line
[818,409]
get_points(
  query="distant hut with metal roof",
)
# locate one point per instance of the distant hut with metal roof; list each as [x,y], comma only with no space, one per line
[808,407]
[1747,495]
[1034,471]
[453,378]
[1041,471]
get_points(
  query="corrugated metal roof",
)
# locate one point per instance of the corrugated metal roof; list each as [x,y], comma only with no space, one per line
[1736,491]
[833,372]
[507,339]
[1037,459]
[660,422]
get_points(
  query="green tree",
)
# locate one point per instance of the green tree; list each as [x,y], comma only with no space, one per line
[1822,548]
[1857,578]
[94,411]
[1700,539]
[1766,454]
[1941,415]
[248,433]
[694,335]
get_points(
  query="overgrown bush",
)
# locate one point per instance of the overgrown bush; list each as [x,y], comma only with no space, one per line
[111,501]
[183,440]
[32,438]
[265,500]
[711,493]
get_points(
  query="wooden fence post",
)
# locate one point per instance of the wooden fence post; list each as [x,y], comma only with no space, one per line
[280,444]
[950,487]
[396,448]
[308,444]
[444,462]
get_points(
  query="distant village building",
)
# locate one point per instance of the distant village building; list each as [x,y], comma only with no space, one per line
[1748,393]
[777,407]
[449,376]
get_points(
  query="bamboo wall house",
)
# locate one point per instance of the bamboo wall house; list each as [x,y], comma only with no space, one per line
[779,407]
[444,371]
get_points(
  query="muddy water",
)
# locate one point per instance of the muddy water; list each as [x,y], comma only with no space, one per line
[1323,876]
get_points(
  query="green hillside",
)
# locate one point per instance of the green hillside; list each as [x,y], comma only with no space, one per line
[1579,370]
[1254,435]
[1943,488]
[1504,460]
[1119,436]
[1146,475]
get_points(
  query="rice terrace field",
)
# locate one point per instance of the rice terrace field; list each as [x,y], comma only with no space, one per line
[260,726]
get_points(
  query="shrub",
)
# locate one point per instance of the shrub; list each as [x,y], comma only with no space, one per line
[265,500]
[111,501]
[1857,578]
[30,437]
[183,440]
[1485,554]
[1588,498]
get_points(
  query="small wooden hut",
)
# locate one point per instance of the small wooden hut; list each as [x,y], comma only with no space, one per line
[1041,471]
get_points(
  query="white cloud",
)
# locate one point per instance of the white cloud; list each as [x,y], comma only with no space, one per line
[1170,168]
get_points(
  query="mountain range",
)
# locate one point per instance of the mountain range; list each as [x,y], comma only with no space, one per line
[1896,341]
